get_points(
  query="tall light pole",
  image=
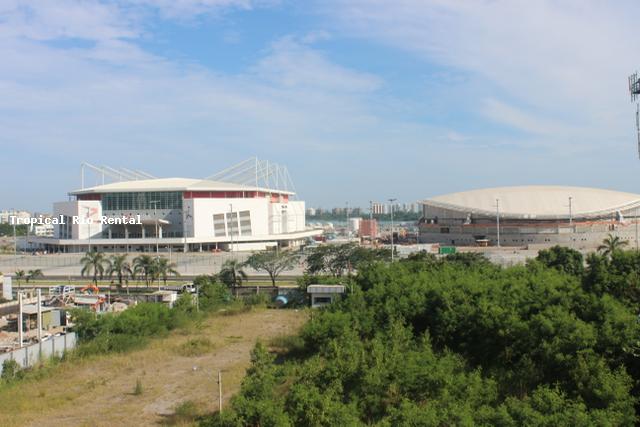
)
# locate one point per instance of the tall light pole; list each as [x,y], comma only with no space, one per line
[637,230]
[231,228]
[570,211]
[88,228]
[391,203]
[155,217]
[15,239]
[498,220]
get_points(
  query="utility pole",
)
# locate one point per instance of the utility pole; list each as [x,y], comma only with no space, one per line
[231,221]
[636,230]
[570,211]
[155,217]
[20,332]
[391,204]
[498,220]
[39,292]
[88,228]
[220,391]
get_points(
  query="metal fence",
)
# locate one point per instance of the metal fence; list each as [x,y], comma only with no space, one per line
[30,355]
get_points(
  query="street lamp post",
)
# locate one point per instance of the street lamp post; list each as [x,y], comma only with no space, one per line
[498,220]
[231,227]
[155,217]
[391,203]
[88,229]
[570,211]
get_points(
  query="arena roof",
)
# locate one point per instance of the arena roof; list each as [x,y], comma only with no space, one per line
[172,184]
[538,201]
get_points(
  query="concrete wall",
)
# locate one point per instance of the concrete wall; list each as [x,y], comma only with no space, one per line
[32,354]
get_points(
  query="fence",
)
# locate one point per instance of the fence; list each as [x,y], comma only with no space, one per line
[32,354]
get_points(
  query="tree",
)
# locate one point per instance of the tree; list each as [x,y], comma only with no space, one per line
[272,262]
[143,265]
[338,259]
[611,244]
[20,275]
[232,274]
[34,274]
[563,259]
[93,263]
[119,266]
[163,269]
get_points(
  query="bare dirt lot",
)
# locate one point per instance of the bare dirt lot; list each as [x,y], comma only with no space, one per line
[183,367]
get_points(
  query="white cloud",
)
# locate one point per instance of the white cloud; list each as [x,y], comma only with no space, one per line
[562,60]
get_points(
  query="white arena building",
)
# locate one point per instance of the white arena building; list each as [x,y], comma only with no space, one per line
[530,215]
[138,212]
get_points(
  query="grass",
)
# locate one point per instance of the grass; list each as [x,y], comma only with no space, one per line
[66,393]
[185,413]
[137,390]
[195,347]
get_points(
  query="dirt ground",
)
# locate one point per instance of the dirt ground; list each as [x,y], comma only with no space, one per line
[101,391]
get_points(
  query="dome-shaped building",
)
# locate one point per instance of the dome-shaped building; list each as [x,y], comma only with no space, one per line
[575,216]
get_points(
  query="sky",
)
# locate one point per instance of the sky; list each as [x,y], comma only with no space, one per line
[360,99]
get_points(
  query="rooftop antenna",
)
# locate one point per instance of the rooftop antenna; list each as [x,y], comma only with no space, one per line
[634,91]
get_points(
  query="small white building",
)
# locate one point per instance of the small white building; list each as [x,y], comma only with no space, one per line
[322,295]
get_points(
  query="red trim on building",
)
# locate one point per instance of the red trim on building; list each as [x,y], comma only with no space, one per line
[91,196]
[226,195]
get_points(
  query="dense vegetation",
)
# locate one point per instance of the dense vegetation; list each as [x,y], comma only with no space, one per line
[461,342]
[7,230]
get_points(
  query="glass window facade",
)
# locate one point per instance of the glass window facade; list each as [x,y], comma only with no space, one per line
[142,200]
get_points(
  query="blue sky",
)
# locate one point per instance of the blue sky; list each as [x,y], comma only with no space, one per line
[360,99]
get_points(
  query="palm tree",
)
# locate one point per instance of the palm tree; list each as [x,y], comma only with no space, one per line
[163,269]
[34,274]
[20,275]
[143,265]
[611,244]
[119,266]
[232,274]
[93,263]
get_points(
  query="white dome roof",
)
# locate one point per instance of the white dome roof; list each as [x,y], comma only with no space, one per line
[538,201]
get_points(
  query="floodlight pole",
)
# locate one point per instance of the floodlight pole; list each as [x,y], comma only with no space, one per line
[570,211]
[498,220]
[88,229]
[391,203]
[231,228]
[155,217]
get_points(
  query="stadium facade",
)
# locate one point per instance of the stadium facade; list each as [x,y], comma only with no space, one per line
[179,214]
[530,215]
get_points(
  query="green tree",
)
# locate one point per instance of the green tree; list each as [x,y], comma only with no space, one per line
[163,269]
[273,262]
[232,274]
[34,274]
[20,276]
[562,258]
[611,244]
[143,266]
[119,266]
[93,263]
